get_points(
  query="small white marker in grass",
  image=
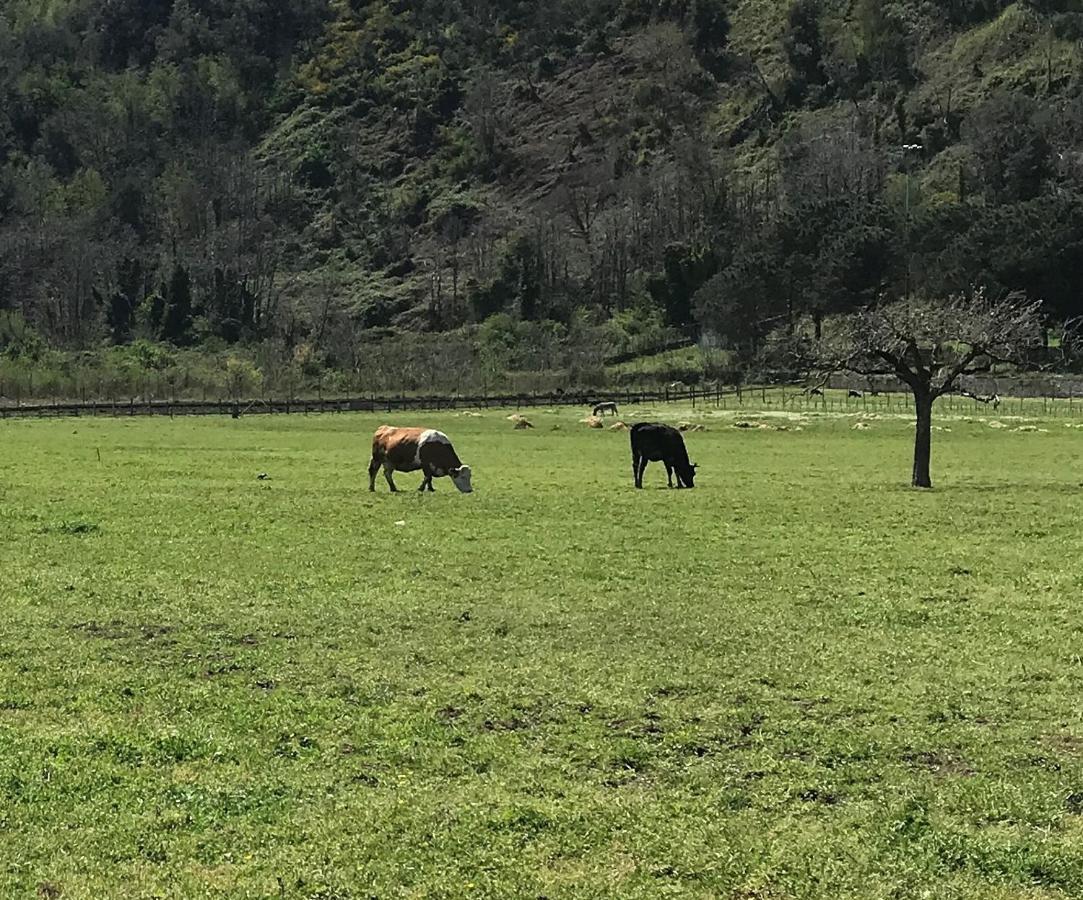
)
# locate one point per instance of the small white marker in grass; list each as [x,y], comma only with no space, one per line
[401,522]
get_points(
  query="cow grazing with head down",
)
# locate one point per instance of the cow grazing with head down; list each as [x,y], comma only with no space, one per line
[410,449]
[654,442]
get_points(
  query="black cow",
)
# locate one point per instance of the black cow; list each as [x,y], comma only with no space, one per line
[654,442]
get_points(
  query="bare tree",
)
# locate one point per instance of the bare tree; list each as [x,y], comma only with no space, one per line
[928,346]
[672,76]
[583,197]
[485,110]
[839,159]
[452,232]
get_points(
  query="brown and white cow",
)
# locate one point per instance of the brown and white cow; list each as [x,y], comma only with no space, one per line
[410,449]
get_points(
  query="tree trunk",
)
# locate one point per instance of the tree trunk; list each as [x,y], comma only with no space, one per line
[923,402]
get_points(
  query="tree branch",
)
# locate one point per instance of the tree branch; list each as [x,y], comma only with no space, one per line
[955,371]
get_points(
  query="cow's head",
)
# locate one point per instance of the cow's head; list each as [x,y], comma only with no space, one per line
[461,478]
[688,474]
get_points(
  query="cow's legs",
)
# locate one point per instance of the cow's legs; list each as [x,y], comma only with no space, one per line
[426,482]
[388,469]
[669,474]
[639,472]
[374,467]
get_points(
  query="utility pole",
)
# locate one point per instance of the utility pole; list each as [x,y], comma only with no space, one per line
[907,149]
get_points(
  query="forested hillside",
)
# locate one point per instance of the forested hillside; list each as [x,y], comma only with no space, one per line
[315,177]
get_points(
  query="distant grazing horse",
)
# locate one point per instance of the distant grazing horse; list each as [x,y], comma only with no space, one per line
[990,399]
[600,409]
[654,442]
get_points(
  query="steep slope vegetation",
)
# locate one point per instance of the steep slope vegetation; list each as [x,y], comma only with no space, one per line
[202,171]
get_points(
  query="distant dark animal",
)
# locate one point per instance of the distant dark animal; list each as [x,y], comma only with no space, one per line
[601,409]
[410,449]
[857,394]
[814,392]
[654,442]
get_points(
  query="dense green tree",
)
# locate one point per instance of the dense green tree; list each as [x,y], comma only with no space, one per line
[744,302]
[709,29]
[177,316]
[685,269]
[884,52]
[1013,154]
[804,47]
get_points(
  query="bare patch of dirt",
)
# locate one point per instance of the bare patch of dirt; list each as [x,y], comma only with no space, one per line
[116,629]
[1065,743]
[941,763]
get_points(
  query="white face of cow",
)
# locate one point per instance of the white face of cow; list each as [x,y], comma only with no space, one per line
[461,477]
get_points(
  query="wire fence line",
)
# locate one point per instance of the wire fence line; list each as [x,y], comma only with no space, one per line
[765,398]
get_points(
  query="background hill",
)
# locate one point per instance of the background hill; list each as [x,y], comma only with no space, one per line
[322,179]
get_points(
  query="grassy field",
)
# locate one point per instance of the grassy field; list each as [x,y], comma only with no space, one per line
[801,679]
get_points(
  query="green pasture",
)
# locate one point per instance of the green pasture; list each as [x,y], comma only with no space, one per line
[800,679]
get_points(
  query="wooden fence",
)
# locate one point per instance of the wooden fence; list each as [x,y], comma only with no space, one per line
[306,406]
[788,397]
